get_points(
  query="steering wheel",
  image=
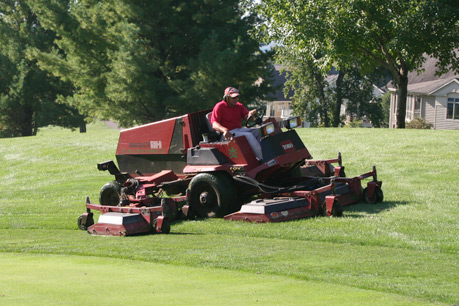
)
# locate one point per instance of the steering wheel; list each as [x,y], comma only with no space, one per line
[256,118]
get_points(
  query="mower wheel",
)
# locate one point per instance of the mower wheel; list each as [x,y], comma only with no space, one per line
[212,194]
[378,196]
[166,228]
[337,210]
[110,194]
[84,222]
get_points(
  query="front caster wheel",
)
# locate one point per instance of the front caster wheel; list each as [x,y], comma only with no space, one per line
[378,196]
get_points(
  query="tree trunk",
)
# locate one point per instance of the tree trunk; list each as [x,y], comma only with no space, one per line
[83,128]
[27,123]
[323,101]
[402,95]
[339,99]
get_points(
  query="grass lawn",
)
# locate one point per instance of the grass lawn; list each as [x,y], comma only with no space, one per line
[400,252]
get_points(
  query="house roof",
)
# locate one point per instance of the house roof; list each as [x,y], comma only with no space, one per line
[278,83]
[429,87]
[331,79]
[428,81]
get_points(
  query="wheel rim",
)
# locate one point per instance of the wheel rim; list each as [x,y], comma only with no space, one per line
[208,200]
[212,194]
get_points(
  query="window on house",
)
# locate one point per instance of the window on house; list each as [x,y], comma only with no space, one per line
[452,110]
[272,111]
[409,108]
[417,107]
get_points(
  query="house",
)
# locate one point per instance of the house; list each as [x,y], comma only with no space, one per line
[280,107]
[431,97]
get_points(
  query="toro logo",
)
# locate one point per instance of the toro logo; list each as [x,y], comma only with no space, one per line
[287,146]
[156,144]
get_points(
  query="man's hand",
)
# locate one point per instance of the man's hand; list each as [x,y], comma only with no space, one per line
[228,135]
[253,111]
[220,128]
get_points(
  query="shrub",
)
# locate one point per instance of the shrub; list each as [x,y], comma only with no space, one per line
[419,123]
[353,124]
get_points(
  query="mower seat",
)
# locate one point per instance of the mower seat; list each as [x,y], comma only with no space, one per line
[213,135]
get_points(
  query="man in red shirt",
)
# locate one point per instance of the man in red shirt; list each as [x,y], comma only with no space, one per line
[227,116]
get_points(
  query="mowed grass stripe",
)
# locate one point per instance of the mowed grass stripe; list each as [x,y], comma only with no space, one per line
[78,280]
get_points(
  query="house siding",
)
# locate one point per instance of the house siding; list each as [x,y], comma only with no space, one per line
[392,112]
[429,109]
[278,109]
[441,123]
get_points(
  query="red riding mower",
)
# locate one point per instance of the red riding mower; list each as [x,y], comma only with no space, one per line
[207,177]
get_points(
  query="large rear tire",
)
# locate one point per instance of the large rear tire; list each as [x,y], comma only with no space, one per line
[110,194]
[212,194]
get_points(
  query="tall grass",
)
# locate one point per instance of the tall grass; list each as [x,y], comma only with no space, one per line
[407,245]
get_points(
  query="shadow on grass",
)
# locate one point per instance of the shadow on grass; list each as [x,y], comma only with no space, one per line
[184,234]
[354,209]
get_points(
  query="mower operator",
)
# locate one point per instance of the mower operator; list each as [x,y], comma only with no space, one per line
[226,118]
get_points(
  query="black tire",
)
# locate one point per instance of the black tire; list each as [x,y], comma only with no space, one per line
[378,196]
[85,225]
[212,195]
[110,194]
[337,209]
[166,228]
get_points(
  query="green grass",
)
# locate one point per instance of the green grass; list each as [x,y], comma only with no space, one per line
[400,252]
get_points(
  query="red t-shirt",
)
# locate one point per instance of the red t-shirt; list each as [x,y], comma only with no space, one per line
[227,116]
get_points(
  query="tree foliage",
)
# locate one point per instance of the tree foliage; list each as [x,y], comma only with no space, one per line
[392,33]
[360,100]
[27,93]
[142,61]
[312,95]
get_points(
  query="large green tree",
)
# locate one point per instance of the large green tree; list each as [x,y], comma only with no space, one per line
[142,61]
[391,33]
[27,93]
[312,94]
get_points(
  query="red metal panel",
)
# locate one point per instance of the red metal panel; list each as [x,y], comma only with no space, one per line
[237,151]
[153,138]
[187,137]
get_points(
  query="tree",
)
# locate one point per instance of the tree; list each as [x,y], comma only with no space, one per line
[311,93]
[358,93]
[392,33]
[142,61]
[319,96]
[27,93]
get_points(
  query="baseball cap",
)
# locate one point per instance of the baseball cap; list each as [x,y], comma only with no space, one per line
[232,92]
